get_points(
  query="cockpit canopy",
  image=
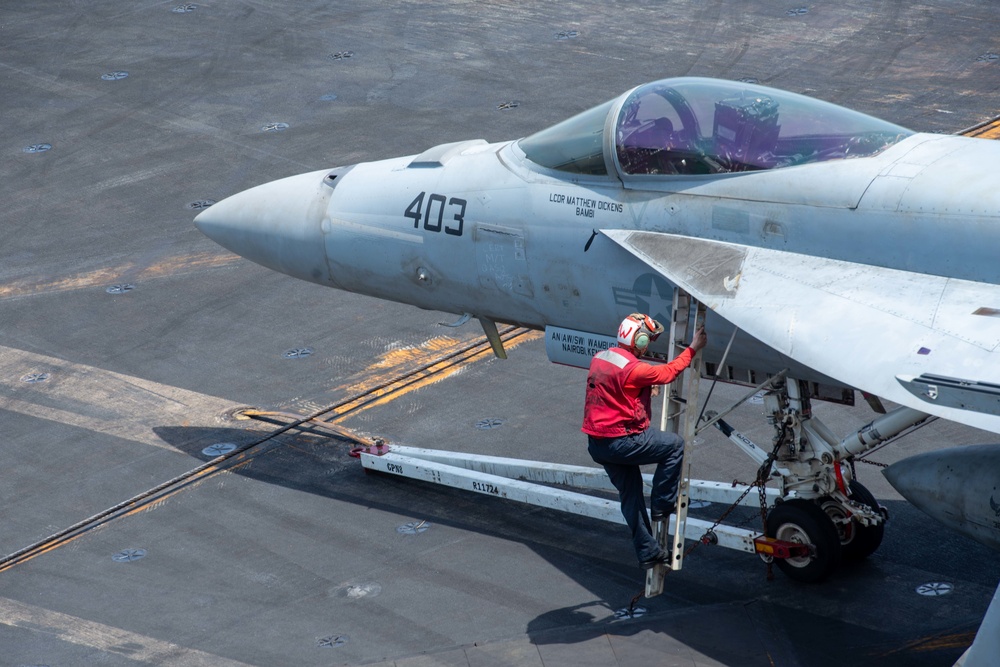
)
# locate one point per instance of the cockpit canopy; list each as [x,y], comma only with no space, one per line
[708,126]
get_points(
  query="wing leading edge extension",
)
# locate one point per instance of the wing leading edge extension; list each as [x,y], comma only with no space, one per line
[920,340]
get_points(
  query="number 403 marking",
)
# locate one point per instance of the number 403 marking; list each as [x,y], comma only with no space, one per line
[433,213]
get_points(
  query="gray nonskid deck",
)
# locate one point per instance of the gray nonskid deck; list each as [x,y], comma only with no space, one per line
[295,556]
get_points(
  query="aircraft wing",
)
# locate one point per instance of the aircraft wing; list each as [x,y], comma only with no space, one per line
[924,341]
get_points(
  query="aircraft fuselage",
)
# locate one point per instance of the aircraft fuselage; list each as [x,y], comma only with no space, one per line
[486,229]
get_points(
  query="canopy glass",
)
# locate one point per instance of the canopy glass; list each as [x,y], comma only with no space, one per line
[708,126]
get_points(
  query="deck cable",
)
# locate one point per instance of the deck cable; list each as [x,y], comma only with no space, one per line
[215,465]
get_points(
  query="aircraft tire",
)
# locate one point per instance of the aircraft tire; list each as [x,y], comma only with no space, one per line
[857,541]
[805,522]
[866,539]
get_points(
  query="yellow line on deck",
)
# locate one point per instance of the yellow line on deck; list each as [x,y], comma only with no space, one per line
[988,130]
[172,266]
[397,361]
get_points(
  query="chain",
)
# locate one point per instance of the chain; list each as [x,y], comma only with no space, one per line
[764,471]
[762,474]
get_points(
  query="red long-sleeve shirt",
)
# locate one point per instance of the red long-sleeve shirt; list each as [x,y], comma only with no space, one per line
[645,374]
[619,391]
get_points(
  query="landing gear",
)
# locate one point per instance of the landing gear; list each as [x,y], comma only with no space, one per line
[805,522]
[821,505]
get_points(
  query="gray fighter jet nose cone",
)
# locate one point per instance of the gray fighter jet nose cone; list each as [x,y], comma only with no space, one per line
[959,486]
[277,225]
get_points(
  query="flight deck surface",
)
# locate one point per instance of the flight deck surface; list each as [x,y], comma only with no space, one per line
[130,344]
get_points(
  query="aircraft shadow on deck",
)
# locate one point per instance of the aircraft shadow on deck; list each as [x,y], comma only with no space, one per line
[596,556]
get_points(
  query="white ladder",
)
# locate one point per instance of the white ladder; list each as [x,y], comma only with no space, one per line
[674,405]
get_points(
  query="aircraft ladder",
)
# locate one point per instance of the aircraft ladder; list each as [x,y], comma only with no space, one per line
[674,405]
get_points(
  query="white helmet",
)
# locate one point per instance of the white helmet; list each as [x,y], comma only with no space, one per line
[637,331]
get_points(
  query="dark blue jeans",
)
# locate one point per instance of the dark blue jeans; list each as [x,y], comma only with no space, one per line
[621,458]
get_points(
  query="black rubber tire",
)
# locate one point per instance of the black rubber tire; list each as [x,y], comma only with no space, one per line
[866,539]
[857,542]
[805,522]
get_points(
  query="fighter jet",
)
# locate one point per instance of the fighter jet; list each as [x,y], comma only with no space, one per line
[835,252]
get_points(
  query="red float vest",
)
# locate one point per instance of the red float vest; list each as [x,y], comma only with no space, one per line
[609,412]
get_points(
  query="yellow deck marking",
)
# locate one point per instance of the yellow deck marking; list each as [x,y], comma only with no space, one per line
[934,643]
[79,631]
[400,360]
[960,640]
[173,266]
[990,130]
